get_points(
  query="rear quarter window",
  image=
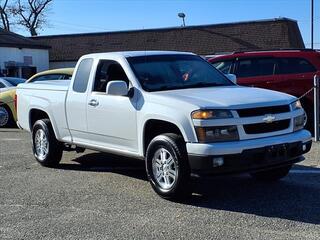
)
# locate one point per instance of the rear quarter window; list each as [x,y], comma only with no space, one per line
[82,75]
[294,65]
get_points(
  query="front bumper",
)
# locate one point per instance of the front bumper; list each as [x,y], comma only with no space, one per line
[249,155]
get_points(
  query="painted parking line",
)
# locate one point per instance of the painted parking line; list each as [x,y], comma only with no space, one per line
[297,171]
[11,139]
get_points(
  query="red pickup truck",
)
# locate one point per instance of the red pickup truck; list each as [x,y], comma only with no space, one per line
[290,71]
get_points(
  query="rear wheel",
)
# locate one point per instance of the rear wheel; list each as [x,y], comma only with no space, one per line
[46,148]
[272,174]
[167,166]
[6,118]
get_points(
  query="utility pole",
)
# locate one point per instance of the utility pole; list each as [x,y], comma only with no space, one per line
[312,8]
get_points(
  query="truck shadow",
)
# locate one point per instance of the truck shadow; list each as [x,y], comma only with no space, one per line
[296,197]
[104,162]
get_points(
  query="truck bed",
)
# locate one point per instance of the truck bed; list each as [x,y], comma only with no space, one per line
[48,96]
[54,85]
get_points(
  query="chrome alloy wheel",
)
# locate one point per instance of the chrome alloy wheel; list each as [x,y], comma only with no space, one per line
[164,169]
[41,144]
[4,116]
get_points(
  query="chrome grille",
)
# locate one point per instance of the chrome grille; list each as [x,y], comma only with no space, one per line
[266,127]
[253,112]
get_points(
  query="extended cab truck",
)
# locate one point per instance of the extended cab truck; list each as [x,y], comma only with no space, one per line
[172,109]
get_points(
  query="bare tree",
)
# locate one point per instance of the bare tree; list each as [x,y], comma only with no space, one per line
[32,14]
[4,14]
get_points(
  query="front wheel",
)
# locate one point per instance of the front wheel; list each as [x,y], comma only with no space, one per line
[272,174]
[167,166]
[46,148]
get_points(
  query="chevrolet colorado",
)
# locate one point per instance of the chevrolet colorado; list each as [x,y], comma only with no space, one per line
[172,109]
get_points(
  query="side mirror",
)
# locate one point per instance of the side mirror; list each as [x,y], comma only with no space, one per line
[232,78]
[117,88]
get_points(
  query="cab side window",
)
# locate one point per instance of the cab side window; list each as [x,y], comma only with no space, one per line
[246,68]
[108,71]
[2,85]
[256,67]
[223,66]
[82,76]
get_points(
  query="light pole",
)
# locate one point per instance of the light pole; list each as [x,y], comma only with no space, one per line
[182,15]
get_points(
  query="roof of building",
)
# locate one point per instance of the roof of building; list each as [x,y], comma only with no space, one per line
[203,39]
[10,39]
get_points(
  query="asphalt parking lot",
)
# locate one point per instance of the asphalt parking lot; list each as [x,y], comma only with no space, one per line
[100,196]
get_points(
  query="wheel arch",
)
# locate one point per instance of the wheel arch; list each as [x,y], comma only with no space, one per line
[36,114]
[154,127]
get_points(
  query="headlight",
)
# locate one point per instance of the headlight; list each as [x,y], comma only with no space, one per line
[217,134]
[296,105]
[211,114]
[299,122]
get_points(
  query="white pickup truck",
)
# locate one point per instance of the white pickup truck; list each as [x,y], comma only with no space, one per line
[172,109]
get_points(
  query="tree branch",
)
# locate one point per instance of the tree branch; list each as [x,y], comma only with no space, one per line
[31,13]
[4,15]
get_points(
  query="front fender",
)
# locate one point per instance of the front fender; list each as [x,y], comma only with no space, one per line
[167,114]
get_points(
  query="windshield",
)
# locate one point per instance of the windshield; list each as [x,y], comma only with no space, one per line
[164,72]
[14,81]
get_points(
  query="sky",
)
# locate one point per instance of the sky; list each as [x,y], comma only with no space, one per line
[82,16]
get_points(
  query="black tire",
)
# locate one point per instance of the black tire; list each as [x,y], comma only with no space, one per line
[174,145]
[272,174]
[10,121]
[308,107]
[54,148]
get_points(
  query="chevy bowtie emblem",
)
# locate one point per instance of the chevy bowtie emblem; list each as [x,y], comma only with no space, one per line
[269,118]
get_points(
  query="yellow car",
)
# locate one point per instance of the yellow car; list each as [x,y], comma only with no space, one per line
[7,108]
[55,74]
[8,113]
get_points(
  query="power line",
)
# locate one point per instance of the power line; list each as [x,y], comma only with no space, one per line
[82,26]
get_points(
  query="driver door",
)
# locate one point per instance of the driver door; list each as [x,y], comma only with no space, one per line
[111,119]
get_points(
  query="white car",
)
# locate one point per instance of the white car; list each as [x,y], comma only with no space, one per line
[7,83]
[173,110]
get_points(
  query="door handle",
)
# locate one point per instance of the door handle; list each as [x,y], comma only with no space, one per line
[93,102]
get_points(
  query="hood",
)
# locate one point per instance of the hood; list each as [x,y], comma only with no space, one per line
[231,97]
[6,89]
